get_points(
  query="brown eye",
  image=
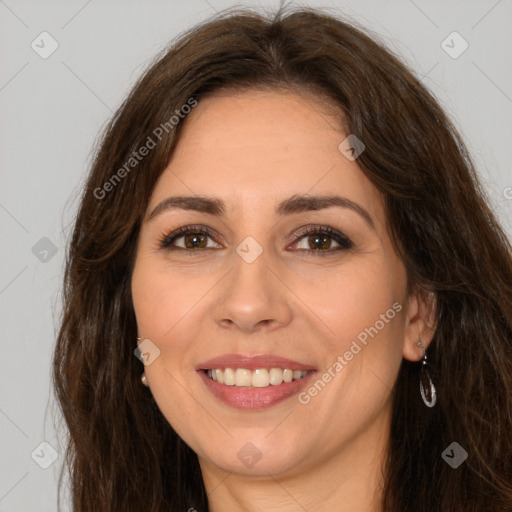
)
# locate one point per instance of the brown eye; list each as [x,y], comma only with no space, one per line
[193,238]
[319,241]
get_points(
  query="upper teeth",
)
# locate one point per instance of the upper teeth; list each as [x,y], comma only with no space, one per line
[259,378]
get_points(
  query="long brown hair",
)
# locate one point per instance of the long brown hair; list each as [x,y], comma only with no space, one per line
[122,455]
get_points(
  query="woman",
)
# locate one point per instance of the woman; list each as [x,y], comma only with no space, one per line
[286,230]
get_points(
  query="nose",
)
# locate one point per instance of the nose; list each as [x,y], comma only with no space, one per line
[253,297]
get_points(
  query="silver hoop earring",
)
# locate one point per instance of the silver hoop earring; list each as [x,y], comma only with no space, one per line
[427,388]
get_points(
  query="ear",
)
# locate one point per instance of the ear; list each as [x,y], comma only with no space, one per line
[420,323]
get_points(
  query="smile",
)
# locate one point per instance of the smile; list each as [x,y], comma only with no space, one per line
[258,378]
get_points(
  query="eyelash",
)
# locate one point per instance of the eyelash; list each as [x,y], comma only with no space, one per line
[344,242]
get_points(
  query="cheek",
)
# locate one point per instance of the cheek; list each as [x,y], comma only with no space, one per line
[363,310]
[349,301]
[171,305]
[161,297]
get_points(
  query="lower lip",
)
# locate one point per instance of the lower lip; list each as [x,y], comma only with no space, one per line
[254,398]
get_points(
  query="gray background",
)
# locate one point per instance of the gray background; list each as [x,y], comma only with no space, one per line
[53,109]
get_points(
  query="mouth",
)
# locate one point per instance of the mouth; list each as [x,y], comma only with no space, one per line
[253,382]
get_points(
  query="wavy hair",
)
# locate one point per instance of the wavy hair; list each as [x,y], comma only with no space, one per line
[121,454]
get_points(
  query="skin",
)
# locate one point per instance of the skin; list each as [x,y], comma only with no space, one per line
[253,150]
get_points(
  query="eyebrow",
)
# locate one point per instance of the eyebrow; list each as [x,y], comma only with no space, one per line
[294,204]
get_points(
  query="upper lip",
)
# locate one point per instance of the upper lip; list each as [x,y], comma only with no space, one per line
[252,362]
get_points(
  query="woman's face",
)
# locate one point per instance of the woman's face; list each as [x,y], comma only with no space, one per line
[331,301]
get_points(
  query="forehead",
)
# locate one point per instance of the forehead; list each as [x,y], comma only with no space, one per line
[256,118]
[258,146]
